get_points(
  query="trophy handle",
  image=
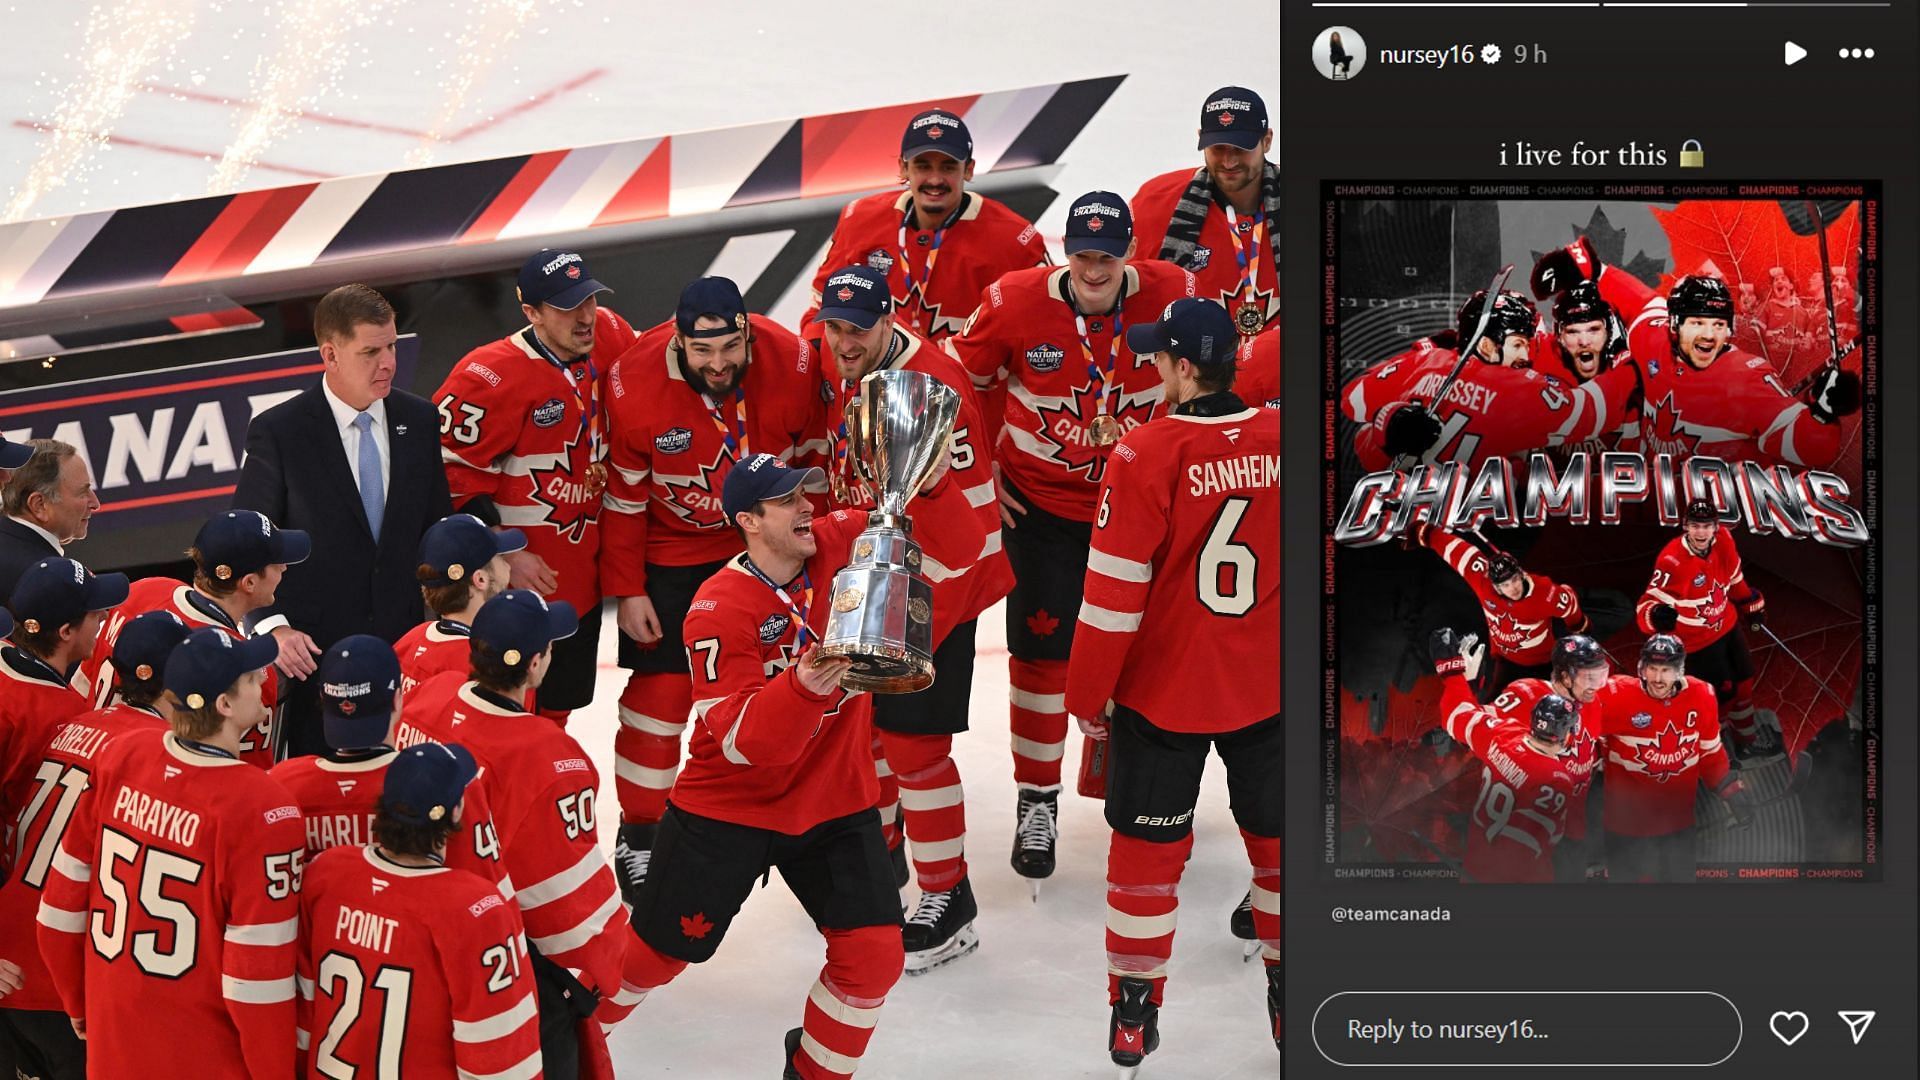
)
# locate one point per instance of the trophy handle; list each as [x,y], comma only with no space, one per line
[850,413]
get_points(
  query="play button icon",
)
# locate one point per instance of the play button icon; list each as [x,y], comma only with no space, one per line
[1793,53]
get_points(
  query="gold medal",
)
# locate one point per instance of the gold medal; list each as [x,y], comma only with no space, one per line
[1250,319]
[1104,431]
[596,478]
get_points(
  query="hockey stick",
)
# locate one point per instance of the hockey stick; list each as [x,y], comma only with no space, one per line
[1405,461]
[1846,709]
[1836,353]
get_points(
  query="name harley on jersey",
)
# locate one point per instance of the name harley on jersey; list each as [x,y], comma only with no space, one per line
[1771,500]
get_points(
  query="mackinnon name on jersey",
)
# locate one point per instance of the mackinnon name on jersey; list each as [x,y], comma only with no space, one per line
[1244,473]
[1590,489]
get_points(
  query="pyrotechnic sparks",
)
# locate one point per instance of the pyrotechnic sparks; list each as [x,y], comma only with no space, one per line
[487,35]
[306,66]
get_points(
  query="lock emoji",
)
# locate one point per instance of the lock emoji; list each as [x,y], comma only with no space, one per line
[1693,155]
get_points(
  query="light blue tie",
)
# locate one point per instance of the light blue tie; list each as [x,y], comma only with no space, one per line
[372,499]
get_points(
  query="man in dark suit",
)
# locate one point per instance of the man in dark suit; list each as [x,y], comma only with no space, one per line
[356,464]
[48,501]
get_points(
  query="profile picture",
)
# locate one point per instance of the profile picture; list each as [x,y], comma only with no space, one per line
[1339,53]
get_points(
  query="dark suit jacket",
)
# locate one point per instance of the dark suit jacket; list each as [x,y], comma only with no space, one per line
[296,473]
[20,548]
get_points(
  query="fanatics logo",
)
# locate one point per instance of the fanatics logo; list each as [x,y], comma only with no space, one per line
[346,786]
[673,441]
[549,412]
[379,885]
[774,628]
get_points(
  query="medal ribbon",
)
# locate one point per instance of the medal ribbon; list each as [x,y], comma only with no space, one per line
[1247,254]
[933,253]
[588,402]
[738,445]
[799,611]
[1107,386]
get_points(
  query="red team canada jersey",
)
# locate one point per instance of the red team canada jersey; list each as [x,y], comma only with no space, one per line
[1257,381]
[959,595]
[670,458]
[1657,754]
[541,787]
[1701,588]
[1737,408]
[983,242]
[197,611]
[1025,334]
[173,909]
[516,428]
[1491,411]
[1520,630]
[1186,548]
[1516,702]
[338,800]
[410,971]
[1214,262]
[1526,795]
[765,751]
[431,648]
[47,762]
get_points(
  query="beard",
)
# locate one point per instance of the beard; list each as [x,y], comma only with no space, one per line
[701,383]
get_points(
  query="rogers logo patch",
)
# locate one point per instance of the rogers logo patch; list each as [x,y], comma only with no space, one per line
[673,441]
[702,605]
[485,904]
[572,764]
[486,373]
[282,813]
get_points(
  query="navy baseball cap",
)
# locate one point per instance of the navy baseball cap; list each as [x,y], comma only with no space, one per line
[241,542]
[559,278]
[856,294]
[715,296]
[140,651]
[1233,115]
[940,130]
[13,454]
[1191,328]
[518,624]
[55,592]
[1099,221]
[459,544]
[359,677]
[425,782]
[209,661]
[762,476]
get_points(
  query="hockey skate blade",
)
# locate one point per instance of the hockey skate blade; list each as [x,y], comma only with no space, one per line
[1128,1072]
[1252,947]
[964,941]
[1033,885]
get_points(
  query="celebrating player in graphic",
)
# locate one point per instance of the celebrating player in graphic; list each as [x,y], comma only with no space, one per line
[1524,611]
[1185,549]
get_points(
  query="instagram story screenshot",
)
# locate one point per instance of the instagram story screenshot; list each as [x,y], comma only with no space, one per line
[1600,537]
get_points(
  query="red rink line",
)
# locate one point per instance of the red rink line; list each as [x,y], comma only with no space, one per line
[181,151]
[528,105]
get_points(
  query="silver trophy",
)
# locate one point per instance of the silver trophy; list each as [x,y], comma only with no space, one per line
[882,616]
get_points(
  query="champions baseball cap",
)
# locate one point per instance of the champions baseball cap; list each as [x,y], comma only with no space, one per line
[13,455]
[855,294]
[425,782]
[1191,328]
[518,624]
[55,592]
[715,296]
[359,677]
[559,278]
[762,476]
[208,662]
[140,651]
[1233,115]
[459,544]
[939,130]
[1099,221]
[241,542]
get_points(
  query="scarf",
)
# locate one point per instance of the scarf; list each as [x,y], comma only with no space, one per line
[1190,213]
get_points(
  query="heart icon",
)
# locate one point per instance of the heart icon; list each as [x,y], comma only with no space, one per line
[1788,1026]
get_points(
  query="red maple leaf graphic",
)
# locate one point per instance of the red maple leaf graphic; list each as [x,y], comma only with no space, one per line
[1662,431]
[695,498]
[1065,426]
[1666,755]
[563,490]
[696,925]
[1042,624]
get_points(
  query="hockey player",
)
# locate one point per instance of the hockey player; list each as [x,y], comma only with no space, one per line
[1498,407]
[1577,671]
[1702,395]
[1056,338]
[1258,382]
[1185,548]
[1222,220]
[57,609]
[1660,733]
[916,730]
[239,558]
[779,770]
[439,949]
[1525,611]
[463,564]
[696,394]
[1538,762]
[1696,577]
[541,787]
[523,432]
[936,244]
[173,906]
[139,659]
[1586,337]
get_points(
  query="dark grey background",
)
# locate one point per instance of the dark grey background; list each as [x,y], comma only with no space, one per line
[1656,76]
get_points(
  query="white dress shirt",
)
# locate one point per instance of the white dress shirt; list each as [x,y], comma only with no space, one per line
[343,417]
[58,547]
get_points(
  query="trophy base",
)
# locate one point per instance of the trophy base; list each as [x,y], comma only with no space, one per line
[882,669]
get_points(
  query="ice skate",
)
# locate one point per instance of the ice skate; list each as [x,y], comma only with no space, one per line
[941,929]
[631,853]
[1036,834]
[793,1051]
[1134,1031]
[1241,925]
[1273,1003]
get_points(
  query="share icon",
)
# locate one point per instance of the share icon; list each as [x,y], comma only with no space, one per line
[1858,1020]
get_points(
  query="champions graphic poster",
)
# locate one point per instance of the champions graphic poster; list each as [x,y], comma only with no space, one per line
[1565,456]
